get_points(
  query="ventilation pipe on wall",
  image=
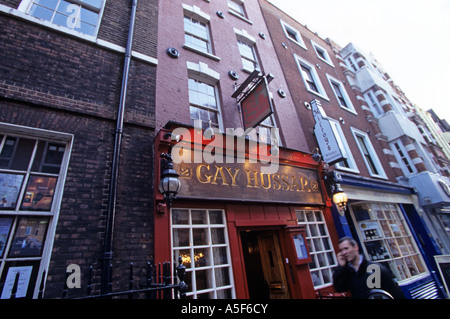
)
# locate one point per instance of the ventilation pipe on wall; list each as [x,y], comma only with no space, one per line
[106,277]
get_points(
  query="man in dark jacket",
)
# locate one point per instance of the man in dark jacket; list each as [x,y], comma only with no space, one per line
[358,275]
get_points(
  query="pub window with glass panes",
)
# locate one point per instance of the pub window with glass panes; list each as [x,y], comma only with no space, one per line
[200,237]
[322,253]
[386,238]
[30,177]
[78,15]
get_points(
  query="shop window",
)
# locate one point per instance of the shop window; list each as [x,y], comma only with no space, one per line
[386,238]
[30,192]
[200,237]
[320,248]
[79,15]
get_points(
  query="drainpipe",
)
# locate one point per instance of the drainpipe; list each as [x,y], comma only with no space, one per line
[106,277]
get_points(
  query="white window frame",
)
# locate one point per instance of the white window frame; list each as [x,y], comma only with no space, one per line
[298,37]
[373,155]
[350,107]
[401,159]
[236,7]
[202,73]
[26,5]
[345,149]
[315,240]
[244,38]
[374,105]
[209,246]
[53,213]
[315,77]
[352,64]
[320,48]
[386,218]
[195,13]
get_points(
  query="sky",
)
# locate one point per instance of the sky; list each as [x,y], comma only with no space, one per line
[409,38]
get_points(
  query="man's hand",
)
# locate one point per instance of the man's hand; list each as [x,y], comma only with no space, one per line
[341,259]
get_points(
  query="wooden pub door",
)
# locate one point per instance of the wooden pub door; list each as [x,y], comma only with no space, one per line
[264,265]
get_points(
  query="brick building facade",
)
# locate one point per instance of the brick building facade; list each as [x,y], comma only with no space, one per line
[240,232]
[60,84]
[316,69]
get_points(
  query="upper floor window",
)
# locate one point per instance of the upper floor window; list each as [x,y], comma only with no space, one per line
[203,103]
[375,106]
[352,63]
[348,163]
[341,94]
[237,7]
[310,78]
[368,153]
[403,158]
[248,56]
[79,15]
[322,53]
[293,34]
[197,34]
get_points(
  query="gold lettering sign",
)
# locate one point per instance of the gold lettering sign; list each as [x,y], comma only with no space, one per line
[246,182]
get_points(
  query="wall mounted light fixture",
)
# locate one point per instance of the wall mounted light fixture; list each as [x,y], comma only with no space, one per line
[169,184]
[335,191]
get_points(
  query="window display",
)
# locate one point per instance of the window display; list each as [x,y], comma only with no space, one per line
[386,238]
[29,237]
[39,193]
[30,169]
[10,185]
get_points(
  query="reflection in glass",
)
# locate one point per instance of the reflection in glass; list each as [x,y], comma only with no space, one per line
[39,193]
[10,185]
[29,237]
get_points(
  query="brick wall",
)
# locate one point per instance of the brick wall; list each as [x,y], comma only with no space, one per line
[55,81]
[300,95]
[172,91]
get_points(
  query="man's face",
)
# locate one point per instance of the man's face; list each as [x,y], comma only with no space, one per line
[348,251]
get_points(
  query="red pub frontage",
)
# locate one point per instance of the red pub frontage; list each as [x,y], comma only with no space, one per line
[243,232]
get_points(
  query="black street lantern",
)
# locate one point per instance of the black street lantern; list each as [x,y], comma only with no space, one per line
[169,185]
[335,190]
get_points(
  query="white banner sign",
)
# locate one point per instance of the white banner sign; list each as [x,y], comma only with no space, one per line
[328,143]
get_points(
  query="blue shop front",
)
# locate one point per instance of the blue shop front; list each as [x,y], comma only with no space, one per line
[383,217]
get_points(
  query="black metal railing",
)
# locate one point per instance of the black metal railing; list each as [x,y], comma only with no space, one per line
[159,284]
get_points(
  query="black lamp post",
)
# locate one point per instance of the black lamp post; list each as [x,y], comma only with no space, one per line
[169,185]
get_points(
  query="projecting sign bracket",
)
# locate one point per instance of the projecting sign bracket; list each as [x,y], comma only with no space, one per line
[248,85]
